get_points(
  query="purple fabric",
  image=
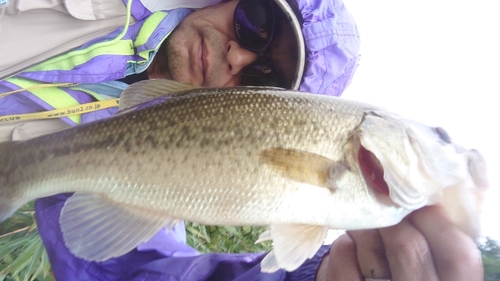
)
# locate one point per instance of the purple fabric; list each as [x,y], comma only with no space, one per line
[164,257]
[332,46]
[16,104]
[98,69]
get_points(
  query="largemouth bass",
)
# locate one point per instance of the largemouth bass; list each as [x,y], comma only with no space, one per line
[297,162]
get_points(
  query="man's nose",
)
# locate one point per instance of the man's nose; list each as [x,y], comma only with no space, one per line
[238,57]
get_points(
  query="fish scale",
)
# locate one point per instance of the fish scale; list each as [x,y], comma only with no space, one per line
[210,139]
[229,156]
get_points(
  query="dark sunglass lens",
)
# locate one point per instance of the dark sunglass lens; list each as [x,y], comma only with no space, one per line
[259,73]
[254,23]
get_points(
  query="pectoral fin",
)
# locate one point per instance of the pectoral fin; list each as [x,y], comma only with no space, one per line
[292,245]
[303,166]
[96,228]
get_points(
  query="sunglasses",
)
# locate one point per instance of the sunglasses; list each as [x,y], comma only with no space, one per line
[254,26]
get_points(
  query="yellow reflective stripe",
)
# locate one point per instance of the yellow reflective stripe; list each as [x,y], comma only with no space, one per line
[113,47]
[62,112]
[148,27]
[54,96]
[39,86]
[70,60]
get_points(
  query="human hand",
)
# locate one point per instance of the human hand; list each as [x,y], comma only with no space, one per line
[424,246]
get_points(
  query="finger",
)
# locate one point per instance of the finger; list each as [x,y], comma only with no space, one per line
[408,253]
[455,254]
[343,262]
[371,254]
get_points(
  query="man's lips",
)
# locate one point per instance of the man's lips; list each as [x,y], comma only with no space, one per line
[204,58]
[202,54]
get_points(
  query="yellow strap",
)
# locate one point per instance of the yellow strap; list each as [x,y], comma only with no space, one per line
[62,112]
[55,97]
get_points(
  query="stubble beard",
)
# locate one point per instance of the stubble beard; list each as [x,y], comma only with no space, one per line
[176,62]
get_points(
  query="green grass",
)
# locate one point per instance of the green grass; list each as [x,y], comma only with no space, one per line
[23,256]
[225,239]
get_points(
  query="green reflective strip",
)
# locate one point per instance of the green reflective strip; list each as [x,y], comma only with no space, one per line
[147,29]
[92,93]
[70,60]
[113,47]
[55,97]
[149,26]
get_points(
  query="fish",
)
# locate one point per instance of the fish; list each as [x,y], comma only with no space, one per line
[298,163]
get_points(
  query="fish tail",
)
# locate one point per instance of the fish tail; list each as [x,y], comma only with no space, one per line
[8,202]
[6,209]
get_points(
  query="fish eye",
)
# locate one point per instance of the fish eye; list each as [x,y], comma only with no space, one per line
[443,135]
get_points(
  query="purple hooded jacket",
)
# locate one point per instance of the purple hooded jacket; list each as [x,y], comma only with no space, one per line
[332,46]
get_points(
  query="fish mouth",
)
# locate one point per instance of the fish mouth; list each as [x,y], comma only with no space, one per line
[372,171]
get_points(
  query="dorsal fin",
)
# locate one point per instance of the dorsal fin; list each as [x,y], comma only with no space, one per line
[147,90]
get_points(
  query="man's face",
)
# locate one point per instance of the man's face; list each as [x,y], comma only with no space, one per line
[203,49]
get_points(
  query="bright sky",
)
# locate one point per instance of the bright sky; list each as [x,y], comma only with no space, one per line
[437,62]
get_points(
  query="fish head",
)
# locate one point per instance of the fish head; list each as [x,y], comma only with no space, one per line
[421,166]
